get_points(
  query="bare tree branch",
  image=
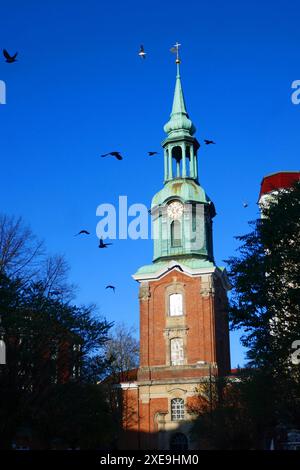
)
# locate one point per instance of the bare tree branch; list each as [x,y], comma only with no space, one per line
[54,277]
[20,251]
[122,349]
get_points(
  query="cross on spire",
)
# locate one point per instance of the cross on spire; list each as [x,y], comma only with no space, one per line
[175,49]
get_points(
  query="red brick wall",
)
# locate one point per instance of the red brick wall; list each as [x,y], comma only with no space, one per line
[207,339]
[129,438]
[205,320]
[139,421]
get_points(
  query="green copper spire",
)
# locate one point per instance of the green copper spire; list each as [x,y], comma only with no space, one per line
[180,146]
[182,213]
[178,102]
[179,123]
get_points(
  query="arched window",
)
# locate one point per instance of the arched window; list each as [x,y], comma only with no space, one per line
[175,233]
[177,409]
[176,161]
[177,353]
[179,442]
[176,305]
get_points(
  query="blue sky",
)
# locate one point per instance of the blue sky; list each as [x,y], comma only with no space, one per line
[79,89]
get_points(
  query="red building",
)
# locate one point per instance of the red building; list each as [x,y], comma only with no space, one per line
[276,182]
[184,335]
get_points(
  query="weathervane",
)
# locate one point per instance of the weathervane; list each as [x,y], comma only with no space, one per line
[175,50]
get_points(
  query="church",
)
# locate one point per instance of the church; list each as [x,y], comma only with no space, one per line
[184,331]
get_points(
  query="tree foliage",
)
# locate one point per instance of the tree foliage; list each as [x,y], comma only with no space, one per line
[265,277]
[245,412]
[54,349]
[238,414]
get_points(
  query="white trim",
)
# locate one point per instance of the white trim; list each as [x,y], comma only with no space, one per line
[126,385]
[177,266]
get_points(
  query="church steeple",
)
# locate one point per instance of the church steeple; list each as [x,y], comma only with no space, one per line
[179,123]
[181,211]
[180,147]
[183,323]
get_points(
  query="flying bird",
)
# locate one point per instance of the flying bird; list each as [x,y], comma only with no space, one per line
[85,232]
[245,204]
[111,287]
[152,153]
[142,52]
[209,142]
[9,58]
[102,244]
[113,154]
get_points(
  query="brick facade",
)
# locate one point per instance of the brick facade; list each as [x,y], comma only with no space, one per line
[184,338]
[203,327]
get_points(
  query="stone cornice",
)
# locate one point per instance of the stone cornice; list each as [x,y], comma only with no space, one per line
[180,267]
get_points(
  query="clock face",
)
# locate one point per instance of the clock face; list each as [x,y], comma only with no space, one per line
[175,210]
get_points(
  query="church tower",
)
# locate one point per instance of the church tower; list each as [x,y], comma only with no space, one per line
[184,336]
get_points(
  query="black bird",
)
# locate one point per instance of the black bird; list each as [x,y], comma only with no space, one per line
[209,142]
[9,58]
[85,232]
[102,244]
[111,287]
[142,52]
[245,204]
[113,154]
[152,153]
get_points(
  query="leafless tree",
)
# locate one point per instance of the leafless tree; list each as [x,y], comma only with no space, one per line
[54,277]
[20,250]
[122,350]
[122,353]
[23,256]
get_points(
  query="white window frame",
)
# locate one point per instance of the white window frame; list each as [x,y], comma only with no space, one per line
[177,409]
[176,305]
[176,352]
